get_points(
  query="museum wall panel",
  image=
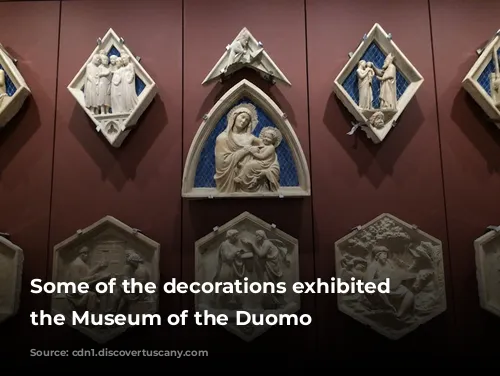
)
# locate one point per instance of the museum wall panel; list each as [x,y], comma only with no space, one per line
[26,145]
[138,183]
[280,26]
[470,146]
[355,180]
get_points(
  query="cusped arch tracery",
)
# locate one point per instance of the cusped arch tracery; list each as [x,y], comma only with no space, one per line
[199,169]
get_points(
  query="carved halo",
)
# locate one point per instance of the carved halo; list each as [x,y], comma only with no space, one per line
[243,89]
[244,107]
[277,134]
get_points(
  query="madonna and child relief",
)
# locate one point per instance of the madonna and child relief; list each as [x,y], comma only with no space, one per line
[244,162]
[110,84]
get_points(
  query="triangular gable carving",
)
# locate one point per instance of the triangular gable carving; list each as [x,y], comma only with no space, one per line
[245,51]
[13,88]
[116,126]
[245,89]
[482,82]
[374,117]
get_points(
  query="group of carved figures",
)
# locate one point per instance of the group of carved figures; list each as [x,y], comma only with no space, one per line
[79,270]
[387,75]
[261,260]
[110,84]
[244,162]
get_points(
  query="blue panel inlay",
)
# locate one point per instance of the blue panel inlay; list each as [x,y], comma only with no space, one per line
[9,85]
[205,170]
[484,78]
[377,57]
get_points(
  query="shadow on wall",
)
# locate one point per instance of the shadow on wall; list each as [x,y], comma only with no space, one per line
[361,149]
[129,156]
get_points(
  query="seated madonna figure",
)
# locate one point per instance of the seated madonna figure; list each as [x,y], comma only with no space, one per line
[236,147]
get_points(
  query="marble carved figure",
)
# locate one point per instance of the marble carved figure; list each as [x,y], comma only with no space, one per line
[376,84]
[243,162]
[11,270]
[487,249]
[388,248]
[107,249]
[245,51]
[113,88]
[247,248]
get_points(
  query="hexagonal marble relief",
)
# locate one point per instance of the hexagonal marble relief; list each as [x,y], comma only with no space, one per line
[11,272]
[113,88]
[245,147]
[245,51]
[488,270]
[247,249]
[106,249]
[482,82]
[387,247]
[13,88]
[376,84]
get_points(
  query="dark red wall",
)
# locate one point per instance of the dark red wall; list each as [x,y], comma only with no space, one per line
[439,168]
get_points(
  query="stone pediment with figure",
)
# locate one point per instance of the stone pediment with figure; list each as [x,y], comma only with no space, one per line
[376,84]
[245,51]
[247,249]
[245,147]
[487,249]
[388,248]
[11,271]
[482,82]
[107,249]
[113,88]
[13,87]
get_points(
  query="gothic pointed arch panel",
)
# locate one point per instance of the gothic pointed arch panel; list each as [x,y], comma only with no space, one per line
[377,83]
[113,88]
[245,147]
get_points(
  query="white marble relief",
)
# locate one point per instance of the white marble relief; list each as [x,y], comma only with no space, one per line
[11,271]
[487,249]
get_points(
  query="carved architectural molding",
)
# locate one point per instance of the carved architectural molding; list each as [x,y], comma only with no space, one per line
[113,88]
[106,249]
[387,247]
[11,272]
[488,270]
[247,247]
[245,147]
[482,82]
[245,51]
[13,88]
[377,83]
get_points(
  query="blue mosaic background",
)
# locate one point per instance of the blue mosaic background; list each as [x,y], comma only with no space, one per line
[377,57]
[9,85]
[484,78]
[205,170]
[139,84]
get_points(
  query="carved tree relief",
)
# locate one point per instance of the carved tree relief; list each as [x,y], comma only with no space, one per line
[113,88]
[247,249]
[388,248]
[11,270]
[107,249]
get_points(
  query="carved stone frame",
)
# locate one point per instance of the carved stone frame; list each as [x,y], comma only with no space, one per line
[360,318]
[18,260]
[17,100]
[404,66]
[472,86]
[479,244]
[124,123]
[244,89]
[270,229]
[90,232]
